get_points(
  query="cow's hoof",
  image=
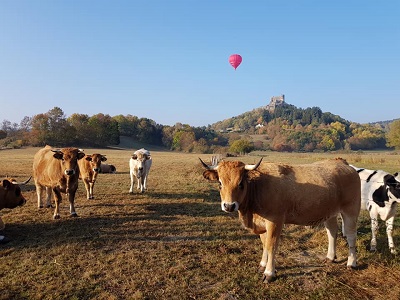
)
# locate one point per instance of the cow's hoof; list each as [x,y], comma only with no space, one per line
[329,261]
[56,217]
[393,251]
[74,215]
[261,269]
[48,206]
[41,206]
[268,278]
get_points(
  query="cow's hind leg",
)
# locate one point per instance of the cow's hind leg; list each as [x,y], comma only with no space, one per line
[389,232]
[39,191]
[48,197]
[374,231]
[332,229]
[350,227]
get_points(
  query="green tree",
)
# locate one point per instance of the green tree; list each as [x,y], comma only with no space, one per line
[241,146]
[393,135]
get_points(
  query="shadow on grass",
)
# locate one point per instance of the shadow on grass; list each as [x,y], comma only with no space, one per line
[133,222]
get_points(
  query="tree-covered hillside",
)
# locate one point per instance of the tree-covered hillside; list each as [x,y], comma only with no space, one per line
[286,128]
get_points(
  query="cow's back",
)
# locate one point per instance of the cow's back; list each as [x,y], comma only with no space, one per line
[296,190]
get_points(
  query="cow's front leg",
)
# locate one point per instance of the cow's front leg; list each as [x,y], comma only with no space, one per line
[132,183]
[57,200]
[91,186]
[142,184]
[263,262]
[139,185]
[87,188]
[71,198]
[332,228]
[271,243]
[389,232]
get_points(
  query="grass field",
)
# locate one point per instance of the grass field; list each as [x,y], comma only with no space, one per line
[174,242]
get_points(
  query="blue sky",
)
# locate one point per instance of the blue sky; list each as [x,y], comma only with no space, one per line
[168,60]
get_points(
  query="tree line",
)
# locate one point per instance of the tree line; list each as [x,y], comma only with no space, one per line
[286,129]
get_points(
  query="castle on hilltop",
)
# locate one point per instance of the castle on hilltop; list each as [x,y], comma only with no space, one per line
[275,102]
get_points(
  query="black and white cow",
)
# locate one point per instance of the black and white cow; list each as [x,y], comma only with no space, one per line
[380,193]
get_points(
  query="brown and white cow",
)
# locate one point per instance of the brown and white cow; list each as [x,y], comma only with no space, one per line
[139,165]
[89,168]
[57,170]
[269,195]
[10,197]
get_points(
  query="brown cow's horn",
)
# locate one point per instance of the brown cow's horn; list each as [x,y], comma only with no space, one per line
[207,166]
[253,167]
[22,183]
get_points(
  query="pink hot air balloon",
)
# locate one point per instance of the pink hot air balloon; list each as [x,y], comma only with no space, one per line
[235,60]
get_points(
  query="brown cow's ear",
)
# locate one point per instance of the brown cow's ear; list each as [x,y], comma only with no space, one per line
[88,158]
[58,155]
[81,155]
[6,184]
[103,158]
[210,175]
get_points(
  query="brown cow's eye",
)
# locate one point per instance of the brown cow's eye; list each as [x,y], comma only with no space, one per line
[241,185]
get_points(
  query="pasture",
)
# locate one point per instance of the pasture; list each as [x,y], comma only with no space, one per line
[174,242]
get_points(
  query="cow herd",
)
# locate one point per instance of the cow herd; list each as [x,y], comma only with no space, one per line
[266,195]
[57,172]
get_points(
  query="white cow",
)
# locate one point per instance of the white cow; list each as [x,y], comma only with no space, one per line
[139,166]
[380,193]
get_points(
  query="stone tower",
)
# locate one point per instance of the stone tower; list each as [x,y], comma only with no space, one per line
[275,101]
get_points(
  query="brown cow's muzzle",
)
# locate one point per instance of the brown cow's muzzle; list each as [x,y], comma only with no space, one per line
[229,207]
[22,202]
[69,172]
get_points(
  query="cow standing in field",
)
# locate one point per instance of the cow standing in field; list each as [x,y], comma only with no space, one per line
[89,168]
[269,195]
[57,171]
[10,197]
[107,168]
[139,166]
[380,193]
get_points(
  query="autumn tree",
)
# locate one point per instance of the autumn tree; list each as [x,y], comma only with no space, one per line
[393,135]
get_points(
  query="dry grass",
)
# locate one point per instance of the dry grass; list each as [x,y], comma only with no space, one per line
[173,242]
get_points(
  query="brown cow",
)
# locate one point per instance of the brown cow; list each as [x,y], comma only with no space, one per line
[106,168]
[269,195]
[89,168]
[57,171]
[10,197]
